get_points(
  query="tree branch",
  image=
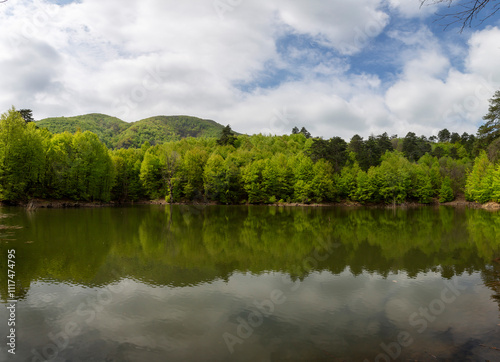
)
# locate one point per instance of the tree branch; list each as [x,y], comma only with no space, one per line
[467,12]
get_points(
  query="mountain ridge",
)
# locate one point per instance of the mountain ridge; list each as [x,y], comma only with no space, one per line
[116,133]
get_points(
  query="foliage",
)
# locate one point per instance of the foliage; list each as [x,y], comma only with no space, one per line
[446,192]
[305,132]
[226,137]
[369,152]
[490,131]
[127,164]
[222,179]
[151,173]
[105,127]
[334,150]
[21,157]
[115,133]
[444,135]
[415,147]
[479,186]
[236,168]
[91,172]
[395,178]
[27,115]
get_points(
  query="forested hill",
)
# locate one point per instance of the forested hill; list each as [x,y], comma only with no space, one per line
[161,129]
[107,128]
[116,133]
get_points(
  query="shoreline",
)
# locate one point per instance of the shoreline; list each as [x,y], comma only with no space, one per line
[61,204]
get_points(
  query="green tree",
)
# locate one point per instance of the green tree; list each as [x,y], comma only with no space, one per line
[27,115]
[252,179]
[92,173]
[277,177]
[222,180]
[303,169]
[410,147]
[59,157]
[346,181]
[444,136]
[305,132]
[490,131]
[493,151]
[127,164]
[193,163]
[214,177]
[421,184]
[170,161]
[333,150]
[455,137]
[22,157]
[395,177]
[384,143]
[233,191]
[322,185]
[479,182]
[438,151]
[415,147]
[468,142]
[151,174]
[372,153]
[495,186]
[446,192]
[227,137]
[367,186]
[356,144]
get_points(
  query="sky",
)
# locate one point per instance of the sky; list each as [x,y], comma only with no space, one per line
[336,67]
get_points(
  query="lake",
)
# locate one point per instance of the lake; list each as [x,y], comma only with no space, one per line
[251,283]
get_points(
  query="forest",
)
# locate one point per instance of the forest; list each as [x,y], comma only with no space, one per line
[115,133]
[256,169]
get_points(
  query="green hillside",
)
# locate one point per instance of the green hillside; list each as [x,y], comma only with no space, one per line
[116,133]
[107,128]
[166,128]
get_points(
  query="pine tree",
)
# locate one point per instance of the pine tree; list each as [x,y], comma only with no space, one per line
[305,132]
[227,137]
[490,131]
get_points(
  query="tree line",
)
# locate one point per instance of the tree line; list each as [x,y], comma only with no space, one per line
[297,168]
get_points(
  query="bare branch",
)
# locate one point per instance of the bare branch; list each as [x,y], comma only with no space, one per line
[465,12]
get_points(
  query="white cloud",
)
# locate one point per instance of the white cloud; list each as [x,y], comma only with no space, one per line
[346,26]
[138,59]
[484,53]
[413,8]
[432,95]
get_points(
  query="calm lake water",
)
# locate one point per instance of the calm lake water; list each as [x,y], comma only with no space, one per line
[231,283]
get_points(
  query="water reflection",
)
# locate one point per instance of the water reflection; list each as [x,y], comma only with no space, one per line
[180,246]
[157,283]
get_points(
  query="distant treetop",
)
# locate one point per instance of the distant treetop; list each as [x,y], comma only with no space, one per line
[27,115]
